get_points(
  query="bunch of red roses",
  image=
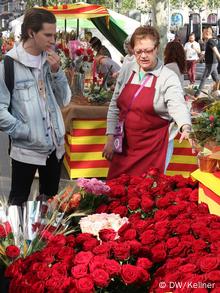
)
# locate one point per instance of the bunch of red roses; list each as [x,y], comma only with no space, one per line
[169,238]
[79,264]
[8,250]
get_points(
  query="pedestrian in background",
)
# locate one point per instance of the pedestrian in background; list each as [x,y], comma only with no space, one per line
[100,49]
[174,59]
[35,122]
[212,56]
[192,49]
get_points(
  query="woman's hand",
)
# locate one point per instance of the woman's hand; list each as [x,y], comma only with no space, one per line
[108,148]
[186,130]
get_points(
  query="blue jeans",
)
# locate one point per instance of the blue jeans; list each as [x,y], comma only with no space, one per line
[209,69]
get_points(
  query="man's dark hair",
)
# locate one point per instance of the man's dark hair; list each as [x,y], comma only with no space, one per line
[34,19]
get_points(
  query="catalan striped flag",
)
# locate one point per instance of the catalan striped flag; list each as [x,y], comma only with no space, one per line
[85,143]
[183,162]
[84,146]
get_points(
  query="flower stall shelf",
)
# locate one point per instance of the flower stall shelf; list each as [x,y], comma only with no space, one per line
[209,189]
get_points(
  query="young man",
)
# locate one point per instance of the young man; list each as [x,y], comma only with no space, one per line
[212,56]
[34,122]
[192,49]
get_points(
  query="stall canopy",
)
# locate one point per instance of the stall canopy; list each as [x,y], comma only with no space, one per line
[100,17]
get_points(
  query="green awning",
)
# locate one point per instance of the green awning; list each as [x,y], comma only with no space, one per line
[114,33]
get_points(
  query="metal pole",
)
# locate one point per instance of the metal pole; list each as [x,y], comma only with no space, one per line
[77,28]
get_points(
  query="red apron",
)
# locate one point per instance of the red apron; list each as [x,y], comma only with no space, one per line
[146,133]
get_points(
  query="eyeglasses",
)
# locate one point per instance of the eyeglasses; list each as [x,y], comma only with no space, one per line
[145,51]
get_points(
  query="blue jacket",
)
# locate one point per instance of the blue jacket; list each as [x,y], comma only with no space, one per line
[25,122]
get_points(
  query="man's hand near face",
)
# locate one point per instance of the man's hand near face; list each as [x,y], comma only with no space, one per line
[54,60]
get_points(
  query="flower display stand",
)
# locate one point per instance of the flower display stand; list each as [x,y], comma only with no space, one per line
[183,162]
[84,146]
[209,190]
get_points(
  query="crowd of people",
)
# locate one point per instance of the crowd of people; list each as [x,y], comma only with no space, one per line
[148,101]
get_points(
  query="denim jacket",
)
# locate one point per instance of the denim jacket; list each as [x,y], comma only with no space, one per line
[25,122]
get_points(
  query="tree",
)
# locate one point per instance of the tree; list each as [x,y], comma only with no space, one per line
[160,21]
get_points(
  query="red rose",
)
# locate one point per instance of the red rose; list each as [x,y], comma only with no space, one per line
[121,210]
[144,263]
[117,191]
[188,268]
[59,269]
[83,237]
[183,228]
[57,282]
[14,269]
[140,226]
[79,52]
[70,240]
[79,271]
[199,244]
[107,234]
[85,58]
[146,204]
[57,240]
[135,247]
[65,251]
[129,274]
[154,172]
[135,180]
[148,237]
[85,285]
[161,215]
[215,236]
[102,249]
[122,251]
[38,287]
[100,278]
[134,203]
[214,276]
[44,274]
[83,257]
[130,234]
[144,276]
[2,232]
[123,229]
[89,51]
[102,209]
[97,262]
[208,263]
[12,251]
[163,202]
[172,242]
[158,252]
[114,204]
[173,263]
[112,267]
[88,245]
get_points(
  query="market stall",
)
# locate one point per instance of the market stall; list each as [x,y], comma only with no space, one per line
[85,139]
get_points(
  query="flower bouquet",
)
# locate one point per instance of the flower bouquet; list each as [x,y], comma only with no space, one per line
[206,135]
[82,199]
